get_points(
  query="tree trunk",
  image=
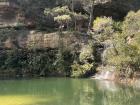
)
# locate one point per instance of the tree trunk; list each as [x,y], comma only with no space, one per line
[91,17]
[72,5]
[75,24]
[67,25]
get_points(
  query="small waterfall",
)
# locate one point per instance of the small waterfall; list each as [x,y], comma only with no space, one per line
[106,73]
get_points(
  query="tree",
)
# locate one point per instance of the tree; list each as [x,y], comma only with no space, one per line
[78,20]
[127,58]
[89,7]
[103,28]
[84,66]
[62,20]
[61,16]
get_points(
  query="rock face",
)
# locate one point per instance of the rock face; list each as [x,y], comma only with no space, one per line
[29,13]
[8,12]
[43,40]
[39,40]
[32,13]
[117,9]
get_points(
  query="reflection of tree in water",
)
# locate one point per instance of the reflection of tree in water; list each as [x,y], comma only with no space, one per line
[86,93]
[89,92]
[124,96]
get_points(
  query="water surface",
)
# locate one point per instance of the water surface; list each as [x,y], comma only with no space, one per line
[63,91]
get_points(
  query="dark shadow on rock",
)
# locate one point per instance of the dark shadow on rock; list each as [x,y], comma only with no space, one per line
[117,9]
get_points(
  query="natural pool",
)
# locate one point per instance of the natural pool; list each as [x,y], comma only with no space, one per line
[64,91]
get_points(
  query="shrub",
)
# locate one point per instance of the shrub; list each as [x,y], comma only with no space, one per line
[80,70]
[86,54]
[85,65]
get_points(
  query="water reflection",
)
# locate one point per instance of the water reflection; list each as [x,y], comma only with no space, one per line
[54,91]
[137,84]
[107,85]
[114,94]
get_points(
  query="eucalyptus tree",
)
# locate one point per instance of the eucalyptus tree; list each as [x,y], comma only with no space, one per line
[64,15]
[78,20]
[89,6]
[61,15]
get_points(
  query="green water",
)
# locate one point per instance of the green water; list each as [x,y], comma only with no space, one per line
[53,91]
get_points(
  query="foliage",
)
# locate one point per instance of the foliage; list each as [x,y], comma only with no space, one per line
[61,10]
[62,19]
[78,19]
[101,23]
[33,11]
[6,33]
[103,27]
[63,15]
[2,58]
[86,53]
[123,52]
[131,25]
[80,70]
[89,6]
[79,16]
[85,64]
[127,56]
[37,62]
[57,10]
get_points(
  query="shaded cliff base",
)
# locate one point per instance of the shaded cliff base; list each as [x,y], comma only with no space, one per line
[31,53]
